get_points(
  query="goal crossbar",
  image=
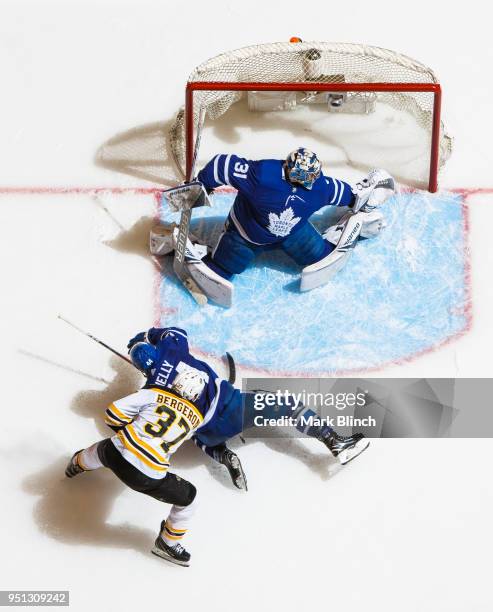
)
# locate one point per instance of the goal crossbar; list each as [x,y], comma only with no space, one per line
[433,88]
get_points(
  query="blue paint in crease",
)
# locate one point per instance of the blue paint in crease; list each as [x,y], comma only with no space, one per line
[399,295]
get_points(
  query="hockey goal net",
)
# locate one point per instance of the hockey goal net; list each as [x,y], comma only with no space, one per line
[377,107]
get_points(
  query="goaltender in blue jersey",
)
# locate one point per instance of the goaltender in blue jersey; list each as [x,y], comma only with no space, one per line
[183,398]
[272,209]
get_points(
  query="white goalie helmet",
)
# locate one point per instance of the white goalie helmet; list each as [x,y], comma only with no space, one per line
[189,384]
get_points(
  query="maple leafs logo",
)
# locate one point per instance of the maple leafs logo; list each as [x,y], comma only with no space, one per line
[282,224]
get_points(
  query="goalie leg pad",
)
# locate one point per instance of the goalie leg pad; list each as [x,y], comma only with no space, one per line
[214,286]
[322,271]
[372,224]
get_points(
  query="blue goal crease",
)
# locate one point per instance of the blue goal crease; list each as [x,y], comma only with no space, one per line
[400,294]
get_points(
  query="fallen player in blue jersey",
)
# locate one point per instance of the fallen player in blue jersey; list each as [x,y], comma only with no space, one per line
[272,209]
[182,398]
[163,356]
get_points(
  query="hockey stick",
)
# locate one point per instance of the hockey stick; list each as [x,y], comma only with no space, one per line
[106,346]
[232,368]
[183,229]
[230,360]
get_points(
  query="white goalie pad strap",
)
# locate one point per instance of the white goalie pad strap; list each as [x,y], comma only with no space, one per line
[161,241]
[184,197]
[214,287]
[322,271]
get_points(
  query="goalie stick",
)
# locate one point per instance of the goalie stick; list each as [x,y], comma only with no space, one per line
[229,358]
[231,368]
[183,229]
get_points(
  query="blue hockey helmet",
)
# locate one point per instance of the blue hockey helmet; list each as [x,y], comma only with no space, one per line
[303,167]
[143,356]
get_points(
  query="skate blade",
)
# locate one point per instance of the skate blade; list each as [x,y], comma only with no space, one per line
[163,555]
[349,454]
[240,482]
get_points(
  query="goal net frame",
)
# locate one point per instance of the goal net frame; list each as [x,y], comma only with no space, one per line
[313,86]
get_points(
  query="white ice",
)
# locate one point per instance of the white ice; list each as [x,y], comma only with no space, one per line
[406,527]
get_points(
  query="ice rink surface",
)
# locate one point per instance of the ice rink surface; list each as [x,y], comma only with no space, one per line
[405,528]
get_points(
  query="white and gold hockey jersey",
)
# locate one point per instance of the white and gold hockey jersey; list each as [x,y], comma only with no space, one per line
[156,422]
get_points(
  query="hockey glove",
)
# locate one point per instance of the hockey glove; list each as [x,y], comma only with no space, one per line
[373,191]
[140,337]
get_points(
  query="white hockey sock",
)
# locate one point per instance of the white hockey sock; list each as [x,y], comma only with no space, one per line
[88,459]
[176,525]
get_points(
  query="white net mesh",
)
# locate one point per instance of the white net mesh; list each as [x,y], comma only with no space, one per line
[386,113]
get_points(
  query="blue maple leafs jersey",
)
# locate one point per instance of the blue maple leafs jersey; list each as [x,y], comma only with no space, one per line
[173,356]
[268,208]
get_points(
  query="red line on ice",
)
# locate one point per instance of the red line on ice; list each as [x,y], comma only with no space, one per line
[156,192]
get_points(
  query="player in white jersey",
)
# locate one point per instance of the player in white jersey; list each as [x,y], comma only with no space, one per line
[183,398]
[151,424]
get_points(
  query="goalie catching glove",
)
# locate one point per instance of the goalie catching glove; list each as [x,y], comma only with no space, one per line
[373,191]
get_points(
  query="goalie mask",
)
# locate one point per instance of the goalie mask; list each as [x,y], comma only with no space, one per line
[303,167]
[189,384]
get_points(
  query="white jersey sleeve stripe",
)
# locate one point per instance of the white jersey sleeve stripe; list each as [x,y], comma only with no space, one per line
[226,169]
[341,192]
[216,172]
[336,190]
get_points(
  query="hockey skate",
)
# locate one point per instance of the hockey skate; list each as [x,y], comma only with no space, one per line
[174,554]
[235,469]
[345,448]
[73,468]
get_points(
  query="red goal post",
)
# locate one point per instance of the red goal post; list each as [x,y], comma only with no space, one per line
[433,88]
[381,109]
